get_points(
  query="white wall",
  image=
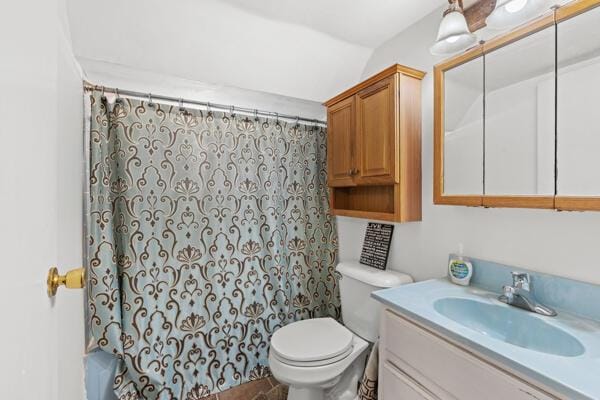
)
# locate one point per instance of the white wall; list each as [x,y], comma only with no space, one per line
[113,75]
[212,41]
[41,341]
[560,243]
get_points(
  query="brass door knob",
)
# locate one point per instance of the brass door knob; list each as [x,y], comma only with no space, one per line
[74,279]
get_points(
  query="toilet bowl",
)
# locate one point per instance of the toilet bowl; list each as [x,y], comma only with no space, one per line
[312,356]
[321,359]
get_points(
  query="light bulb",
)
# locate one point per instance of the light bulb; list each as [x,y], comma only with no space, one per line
[515,6]
[452,39]
[510,13]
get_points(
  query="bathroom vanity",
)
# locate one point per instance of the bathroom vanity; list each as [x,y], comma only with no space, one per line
[441,341]
[419,363]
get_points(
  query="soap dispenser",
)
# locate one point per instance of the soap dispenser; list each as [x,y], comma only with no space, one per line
[459,269]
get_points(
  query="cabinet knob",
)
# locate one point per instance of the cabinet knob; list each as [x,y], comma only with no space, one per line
[354,171]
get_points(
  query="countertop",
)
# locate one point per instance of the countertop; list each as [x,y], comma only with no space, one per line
[574,377]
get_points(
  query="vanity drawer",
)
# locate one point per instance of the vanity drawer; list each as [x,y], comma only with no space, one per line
[447,370]
[397,385]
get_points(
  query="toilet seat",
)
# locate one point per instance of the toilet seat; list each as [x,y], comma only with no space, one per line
[312,343]
[315,363]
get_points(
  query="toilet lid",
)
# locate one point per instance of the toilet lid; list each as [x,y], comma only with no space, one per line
[312,340]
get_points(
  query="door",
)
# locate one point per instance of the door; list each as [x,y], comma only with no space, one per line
[376,133]
[340,143]
[42,339]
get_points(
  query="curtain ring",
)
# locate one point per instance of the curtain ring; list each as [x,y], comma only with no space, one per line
[103,96]
[255,114]
[118,99]
[277,118]
[232,111]
[208,108]
[150,103]
[297,121]
[181,107]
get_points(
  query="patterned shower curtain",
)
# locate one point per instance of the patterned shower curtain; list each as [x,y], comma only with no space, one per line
[207,232]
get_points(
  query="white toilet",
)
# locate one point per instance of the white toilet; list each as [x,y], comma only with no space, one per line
[322,359]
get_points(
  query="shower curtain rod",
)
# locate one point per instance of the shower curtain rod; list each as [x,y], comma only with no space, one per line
[230,108]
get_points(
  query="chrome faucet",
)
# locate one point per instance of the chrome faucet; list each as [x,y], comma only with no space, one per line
[520,295]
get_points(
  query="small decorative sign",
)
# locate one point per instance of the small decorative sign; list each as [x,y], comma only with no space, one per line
[376,247]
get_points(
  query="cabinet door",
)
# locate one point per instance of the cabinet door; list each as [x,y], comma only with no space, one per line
[340,143]
[397,385]
[443,368]
[376,132]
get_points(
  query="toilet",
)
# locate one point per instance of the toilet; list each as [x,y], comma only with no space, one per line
[322,359]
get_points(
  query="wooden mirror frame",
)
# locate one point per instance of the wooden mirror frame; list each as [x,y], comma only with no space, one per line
[567,203]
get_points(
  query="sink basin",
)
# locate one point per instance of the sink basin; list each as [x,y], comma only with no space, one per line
[510,325]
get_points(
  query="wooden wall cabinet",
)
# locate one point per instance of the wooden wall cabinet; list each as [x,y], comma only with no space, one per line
[374,147]
[376,134]
[340,146]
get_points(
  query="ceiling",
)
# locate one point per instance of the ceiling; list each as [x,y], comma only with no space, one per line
[310,49]
[367,23]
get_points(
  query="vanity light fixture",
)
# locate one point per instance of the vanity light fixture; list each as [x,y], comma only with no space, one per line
[509,13]
[454,34]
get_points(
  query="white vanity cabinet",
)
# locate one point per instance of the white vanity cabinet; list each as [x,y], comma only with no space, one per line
[418,364]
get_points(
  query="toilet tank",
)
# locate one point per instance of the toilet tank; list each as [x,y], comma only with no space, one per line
[360,312]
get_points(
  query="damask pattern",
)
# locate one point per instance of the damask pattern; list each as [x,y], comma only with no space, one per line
[208,231]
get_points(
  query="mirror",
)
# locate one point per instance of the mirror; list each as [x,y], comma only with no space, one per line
[578,107]
[519,116]
[535,117]
[463,129]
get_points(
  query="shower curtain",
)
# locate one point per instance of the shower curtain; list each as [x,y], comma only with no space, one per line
[207,231]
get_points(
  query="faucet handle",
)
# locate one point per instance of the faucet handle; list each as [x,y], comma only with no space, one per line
[508,294]
[508,290]
[521,280]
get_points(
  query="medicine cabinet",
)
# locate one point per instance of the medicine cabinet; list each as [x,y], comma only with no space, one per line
[516,118]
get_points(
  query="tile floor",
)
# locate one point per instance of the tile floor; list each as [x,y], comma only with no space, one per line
[262,389]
